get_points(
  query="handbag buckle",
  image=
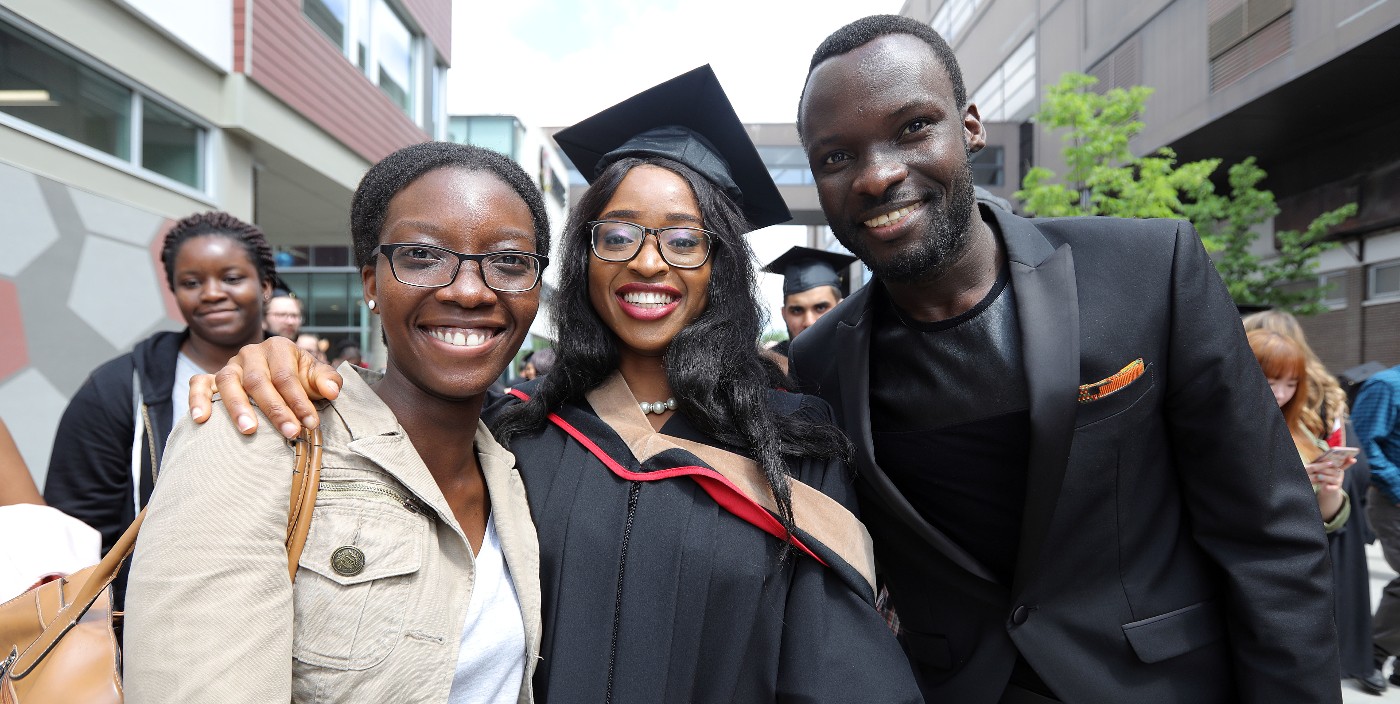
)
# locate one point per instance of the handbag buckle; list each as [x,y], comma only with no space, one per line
[9,662]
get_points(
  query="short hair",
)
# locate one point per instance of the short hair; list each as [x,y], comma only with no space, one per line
[221,224]
[343,345]
[544,360]
[868,29]
[395,172]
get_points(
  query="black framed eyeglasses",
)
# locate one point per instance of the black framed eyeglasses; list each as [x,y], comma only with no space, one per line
[428,266]
[681,247]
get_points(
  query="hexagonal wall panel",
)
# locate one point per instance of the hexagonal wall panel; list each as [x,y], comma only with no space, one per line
[31,407]
[104,268]
[29,228]
[14,352]
[116,220]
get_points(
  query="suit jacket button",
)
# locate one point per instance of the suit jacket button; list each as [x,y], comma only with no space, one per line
[1020,615]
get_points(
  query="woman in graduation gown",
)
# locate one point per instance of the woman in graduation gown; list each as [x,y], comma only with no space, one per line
[697,535]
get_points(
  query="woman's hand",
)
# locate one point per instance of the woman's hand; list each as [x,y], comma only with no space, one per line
[1327,477]
[282,380]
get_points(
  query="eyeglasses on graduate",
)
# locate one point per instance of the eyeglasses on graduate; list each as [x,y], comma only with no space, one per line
[681,247]
[429,266]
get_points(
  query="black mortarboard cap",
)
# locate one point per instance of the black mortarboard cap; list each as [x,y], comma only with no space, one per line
[688,119]
[804,268]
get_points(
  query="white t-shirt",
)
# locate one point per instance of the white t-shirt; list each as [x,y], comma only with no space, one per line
[491,661]
[180,390]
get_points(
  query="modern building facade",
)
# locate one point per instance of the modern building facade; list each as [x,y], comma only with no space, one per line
[118,117]
[1306,86]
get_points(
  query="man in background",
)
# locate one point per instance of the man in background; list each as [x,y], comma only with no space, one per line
[1376,418]
[814,281]
[282,315]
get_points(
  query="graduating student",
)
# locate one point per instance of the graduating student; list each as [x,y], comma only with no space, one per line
[697,540]
[814,281]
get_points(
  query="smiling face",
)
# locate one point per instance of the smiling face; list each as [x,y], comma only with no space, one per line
[645,301]
[452,342]
[889,148]
[217,290]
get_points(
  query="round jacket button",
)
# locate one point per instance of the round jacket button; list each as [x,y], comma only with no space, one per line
[348,561]
[1018,616]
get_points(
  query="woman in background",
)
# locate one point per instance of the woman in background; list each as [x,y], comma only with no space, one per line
[107,450]
[1325,416]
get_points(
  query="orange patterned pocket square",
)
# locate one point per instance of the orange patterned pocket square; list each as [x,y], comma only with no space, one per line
[1089,393]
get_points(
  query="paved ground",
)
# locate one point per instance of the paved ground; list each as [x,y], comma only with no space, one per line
[1380,574]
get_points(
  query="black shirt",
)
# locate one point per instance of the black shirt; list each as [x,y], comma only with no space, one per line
[950,417]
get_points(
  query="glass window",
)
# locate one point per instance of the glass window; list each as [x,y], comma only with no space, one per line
[987,166]
[1334,289]
[1010,90]
[952,18]
[1384,281]
[333,299]
[170,144]
[393,55]
[44,87]
[786,164]
[329,16]
[499,133]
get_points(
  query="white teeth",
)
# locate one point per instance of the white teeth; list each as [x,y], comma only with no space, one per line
[888,218]
[460,337]
[648,298]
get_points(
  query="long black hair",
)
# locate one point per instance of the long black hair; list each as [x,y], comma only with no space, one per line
[720,380]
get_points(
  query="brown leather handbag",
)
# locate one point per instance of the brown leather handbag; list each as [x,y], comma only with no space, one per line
[59,636]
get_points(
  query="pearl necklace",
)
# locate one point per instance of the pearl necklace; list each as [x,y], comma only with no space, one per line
[658,407]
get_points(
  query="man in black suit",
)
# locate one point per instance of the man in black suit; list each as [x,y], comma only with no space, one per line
[1078,483]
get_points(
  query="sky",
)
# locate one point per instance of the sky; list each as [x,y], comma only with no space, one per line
[554,62]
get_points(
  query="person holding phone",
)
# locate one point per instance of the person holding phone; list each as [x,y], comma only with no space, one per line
[1285,366]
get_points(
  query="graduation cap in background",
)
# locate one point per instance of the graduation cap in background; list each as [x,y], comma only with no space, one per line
[690,120]
[805,268]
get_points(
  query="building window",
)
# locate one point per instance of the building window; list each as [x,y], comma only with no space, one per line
[1383,282]
[499,133]
[329,16]
[953,17]
[1334,289]
[1007,94]
[65,95]
[1243,35]
[786,164]
[374,37]
[988,167]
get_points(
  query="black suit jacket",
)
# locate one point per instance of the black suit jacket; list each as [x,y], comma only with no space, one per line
[1171,549]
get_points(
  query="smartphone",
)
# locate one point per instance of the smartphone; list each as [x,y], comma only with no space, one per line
[1338,454]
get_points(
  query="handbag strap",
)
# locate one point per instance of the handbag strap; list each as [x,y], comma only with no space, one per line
[306,477]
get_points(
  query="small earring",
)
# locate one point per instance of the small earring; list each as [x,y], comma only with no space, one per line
[371,305]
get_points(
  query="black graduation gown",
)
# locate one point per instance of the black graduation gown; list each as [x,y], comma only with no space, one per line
[699,609]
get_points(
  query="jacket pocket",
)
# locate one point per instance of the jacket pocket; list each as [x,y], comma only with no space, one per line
[1175,632]
[1110,405]
[356,577]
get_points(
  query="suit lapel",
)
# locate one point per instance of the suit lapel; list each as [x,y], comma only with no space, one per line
[853,345]
[1047,313]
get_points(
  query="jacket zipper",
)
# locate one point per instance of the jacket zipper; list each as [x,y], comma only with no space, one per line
[633,492]
[375,491]
[150,445]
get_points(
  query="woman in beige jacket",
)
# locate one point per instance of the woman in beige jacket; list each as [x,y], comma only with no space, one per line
[420,576]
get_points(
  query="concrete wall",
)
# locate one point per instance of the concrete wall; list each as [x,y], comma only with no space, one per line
[80,283]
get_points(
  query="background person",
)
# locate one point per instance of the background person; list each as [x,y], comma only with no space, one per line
[1376,417]
[108,446]
[347,350]
[283,315]
[419,580]
[1324,415]
[814,281]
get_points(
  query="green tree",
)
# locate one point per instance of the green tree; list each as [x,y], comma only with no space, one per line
[1104,177]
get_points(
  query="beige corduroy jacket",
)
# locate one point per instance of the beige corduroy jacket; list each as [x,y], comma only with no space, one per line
[212,617]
